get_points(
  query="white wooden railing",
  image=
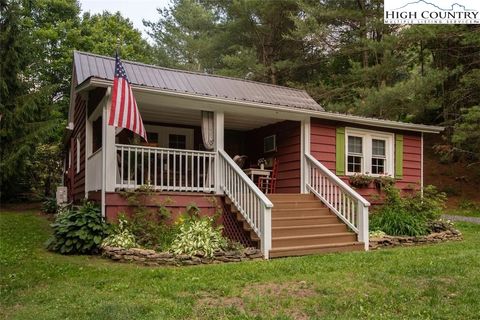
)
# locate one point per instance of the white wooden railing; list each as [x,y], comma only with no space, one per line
[345,202]
[255,207]
[94,171]
[165,169]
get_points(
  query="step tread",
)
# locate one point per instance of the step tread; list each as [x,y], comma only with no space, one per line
[310,226]
[303,217]
[314,236]
[300,209]
[318,246]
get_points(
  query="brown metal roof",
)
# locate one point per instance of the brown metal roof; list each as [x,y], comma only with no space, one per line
[89,65]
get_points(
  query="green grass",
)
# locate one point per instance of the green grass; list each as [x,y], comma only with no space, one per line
[427,282]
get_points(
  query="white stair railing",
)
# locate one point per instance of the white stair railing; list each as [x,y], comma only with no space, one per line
[165,169]
[342,200]
[254,206]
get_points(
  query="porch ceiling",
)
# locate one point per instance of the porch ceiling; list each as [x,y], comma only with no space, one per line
[174,115]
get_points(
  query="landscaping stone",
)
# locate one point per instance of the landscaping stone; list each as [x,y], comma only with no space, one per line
[153,258]
[435,237]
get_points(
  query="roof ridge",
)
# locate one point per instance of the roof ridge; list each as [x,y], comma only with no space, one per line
[191,72]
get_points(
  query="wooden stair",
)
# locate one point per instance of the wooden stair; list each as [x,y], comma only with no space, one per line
[302,225]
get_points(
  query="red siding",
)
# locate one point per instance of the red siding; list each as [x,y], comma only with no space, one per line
[323,136]
[78,184]
[175,202]
[288,152]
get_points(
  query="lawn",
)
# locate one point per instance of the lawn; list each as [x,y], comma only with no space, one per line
[427,282]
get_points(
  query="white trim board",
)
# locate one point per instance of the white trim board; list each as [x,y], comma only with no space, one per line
[367,137]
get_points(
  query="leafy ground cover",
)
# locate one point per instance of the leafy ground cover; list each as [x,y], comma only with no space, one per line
[427,282]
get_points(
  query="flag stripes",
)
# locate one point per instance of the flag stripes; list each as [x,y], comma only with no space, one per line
[124,110]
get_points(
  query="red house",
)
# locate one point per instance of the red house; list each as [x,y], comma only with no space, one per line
[196,123]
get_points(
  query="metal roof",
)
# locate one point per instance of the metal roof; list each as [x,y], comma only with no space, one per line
[88,65]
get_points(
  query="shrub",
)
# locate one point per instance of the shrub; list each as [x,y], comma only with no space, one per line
[395,221]
[78,231]
[121,236]
[410,215]
[198,235]
[49,205]
[149,226]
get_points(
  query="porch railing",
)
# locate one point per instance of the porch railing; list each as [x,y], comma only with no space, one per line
[254,206]
[345,202]
[165,169]
[94,171]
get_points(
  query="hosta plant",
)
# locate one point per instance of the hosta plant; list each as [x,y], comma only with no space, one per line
[78,231]
[121,236]
[198,235]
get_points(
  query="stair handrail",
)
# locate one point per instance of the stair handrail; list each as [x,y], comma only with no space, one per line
[249,200]
[339,197]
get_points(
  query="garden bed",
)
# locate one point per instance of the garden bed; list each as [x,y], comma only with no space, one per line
[153,258]
[435,237]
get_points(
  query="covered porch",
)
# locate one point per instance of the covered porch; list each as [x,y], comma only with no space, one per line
[177,156]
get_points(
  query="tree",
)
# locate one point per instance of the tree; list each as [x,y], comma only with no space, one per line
[28,112]
[102,33]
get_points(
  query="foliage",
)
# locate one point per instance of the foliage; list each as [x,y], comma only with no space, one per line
[383,181]
[78,231]
[198,235]
[150,226]
[408,215]
[467,132]
[396,221]
[49,205]
[377,234]
[359,180]
[120,236]
[46,168]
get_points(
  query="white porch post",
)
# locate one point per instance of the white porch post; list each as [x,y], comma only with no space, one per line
[304,149]
[108,151]
[362,221]
[219,145]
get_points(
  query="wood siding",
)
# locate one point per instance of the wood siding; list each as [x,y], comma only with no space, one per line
[288,152]
[78,184]
[175,202]
[323,136]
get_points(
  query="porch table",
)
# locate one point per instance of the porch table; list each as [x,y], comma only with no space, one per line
[252,172]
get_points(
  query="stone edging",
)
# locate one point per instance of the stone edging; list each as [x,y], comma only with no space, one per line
[393,241]
[153,258]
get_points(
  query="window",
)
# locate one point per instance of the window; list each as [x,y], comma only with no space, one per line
[177,141]
[152,137]
[269,144]
[369,152]
[78,156]
[170,137]
[96,134]
[355,154]
[378,156]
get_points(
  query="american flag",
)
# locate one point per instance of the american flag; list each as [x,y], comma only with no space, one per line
[124,111]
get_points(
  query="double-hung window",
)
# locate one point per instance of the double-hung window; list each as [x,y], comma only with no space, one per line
[369,152]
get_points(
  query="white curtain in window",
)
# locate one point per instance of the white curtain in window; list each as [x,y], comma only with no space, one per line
[208,129]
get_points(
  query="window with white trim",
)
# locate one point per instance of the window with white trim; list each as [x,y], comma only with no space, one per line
[369,152]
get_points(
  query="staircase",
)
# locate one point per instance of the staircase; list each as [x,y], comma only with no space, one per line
[302,225]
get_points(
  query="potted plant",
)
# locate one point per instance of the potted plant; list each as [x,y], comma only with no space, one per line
[383,181]
[359,180]
[261,163]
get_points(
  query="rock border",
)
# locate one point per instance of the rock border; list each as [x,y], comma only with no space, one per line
[394,241]
[153,258]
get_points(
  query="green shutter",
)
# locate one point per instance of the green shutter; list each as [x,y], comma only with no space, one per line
[340,152]
[398,155]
